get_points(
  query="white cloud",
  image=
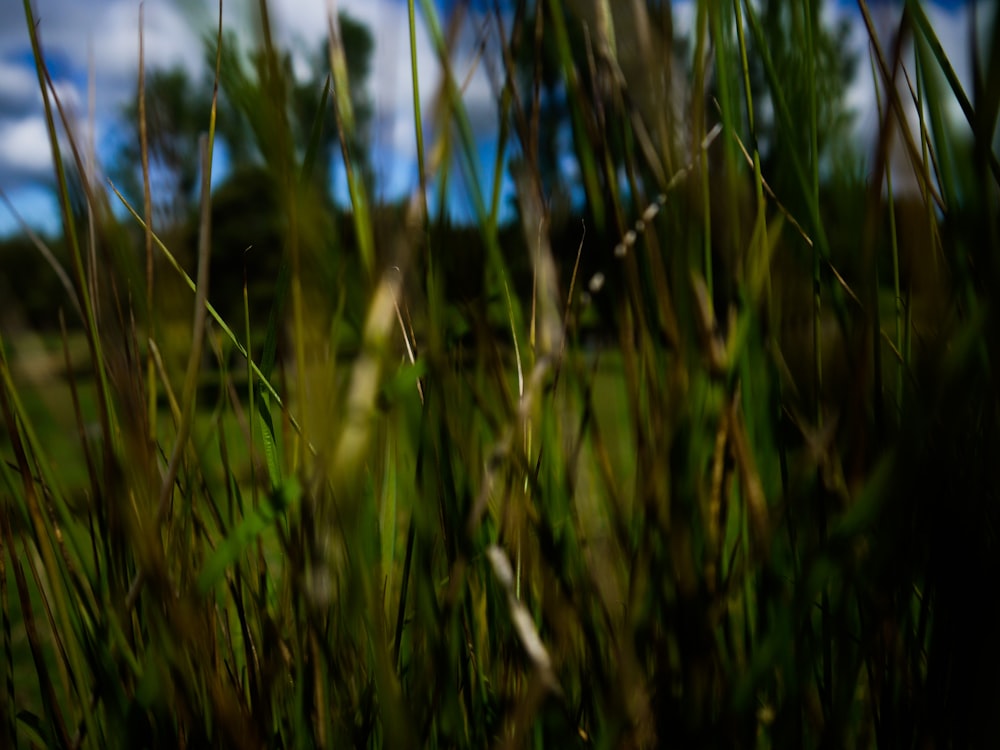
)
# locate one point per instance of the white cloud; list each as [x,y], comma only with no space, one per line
[20,86]
[79,39]
[107,32]
[24,145]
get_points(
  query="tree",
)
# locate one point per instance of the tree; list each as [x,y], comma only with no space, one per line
[178,110]
[611,107]
[585,82]
[252,81]
[623,70]
[823,68]
[281,144]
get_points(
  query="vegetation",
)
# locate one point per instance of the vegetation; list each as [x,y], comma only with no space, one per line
[699,451]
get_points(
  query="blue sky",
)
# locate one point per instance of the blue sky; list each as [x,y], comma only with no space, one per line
[102,36]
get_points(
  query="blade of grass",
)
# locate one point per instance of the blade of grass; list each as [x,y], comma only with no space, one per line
[194,359]
[249,529]
[45,85]
[258,370]
[894,100]
[55,721]
[344,118]
[982,125]
[147,210]
[8,706]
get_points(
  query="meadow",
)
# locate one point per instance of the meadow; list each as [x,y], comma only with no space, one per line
[699,450]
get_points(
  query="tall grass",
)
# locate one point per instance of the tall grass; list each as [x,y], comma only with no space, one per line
[763,513]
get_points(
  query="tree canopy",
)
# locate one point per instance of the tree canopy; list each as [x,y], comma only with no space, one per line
[178,109]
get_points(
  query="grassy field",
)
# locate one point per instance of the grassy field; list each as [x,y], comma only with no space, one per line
[707,459]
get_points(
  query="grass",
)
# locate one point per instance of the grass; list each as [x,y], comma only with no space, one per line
[406,507]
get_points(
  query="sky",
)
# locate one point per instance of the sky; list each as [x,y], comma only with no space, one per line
[92,50]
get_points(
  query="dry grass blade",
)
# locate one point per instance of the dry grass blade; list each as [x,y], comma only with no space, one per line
[522,620]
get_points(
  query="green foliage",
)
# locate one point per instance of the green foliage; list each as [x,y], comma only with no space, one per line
[177,111]
[713,467]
